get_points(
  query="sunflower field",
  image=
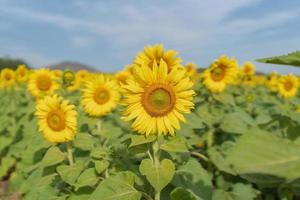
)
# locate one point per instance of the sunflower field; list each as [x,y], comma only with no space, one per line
[157,130]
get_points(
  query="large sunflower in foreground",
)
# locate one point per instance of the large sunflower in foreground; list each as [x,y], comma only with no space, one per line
[42,82]
[57,119]
[222,72]
[7,78]
[157,99]
[100,95]
[157,53]
[22,73]
[288,86]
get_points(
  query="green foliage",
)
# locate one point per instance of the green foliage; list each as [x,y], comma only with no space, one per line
[292,59]
[229,148]
[11,62]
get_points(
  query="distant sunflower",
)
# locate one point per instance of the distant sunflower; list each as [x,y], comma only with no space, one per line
[100,95]
[7,78]
[82,75]
[288,86]
[57,119]
[156,53]
[247,69]
[157,99]
[222,72]
[123,76]
[191,69]
[22,73]
[57,73]
[272,81]
[42,82]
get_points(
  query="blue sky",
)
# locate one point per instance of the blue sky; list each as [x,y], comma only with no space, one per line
[108,34]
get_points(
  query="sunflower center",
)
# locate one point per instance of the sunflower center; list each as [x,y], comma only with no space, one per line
[158,100]
[247,70]
[22,72]
[288,85]
[56,120]
[44,82]
[7,77]
[218,74]
[101,95]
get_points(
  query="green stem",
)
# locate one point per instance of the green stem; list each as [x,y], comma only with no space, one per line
[156,158]
[157,196]
[199,155]
[70,153]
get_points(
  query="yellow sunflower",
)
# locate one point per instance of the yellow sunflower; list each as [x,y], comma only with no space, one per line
[22,73]
[156,53]
[57,119]
[222,72]
[157,98]
[123,76]
[100,95]
[191,69]
[272,82]
[7,78]
[82,75]
[42,82]
[288,86]
[247,69]
[57,73]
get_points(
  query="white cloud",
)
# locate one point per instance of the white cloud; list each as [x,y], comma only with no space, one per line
[191,26]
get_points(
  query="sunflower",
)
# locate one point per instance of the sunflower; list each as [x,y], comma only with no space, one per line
[222,72]
[191,69]
[100,95]
[157,98]
[82,75]
[123,76]
[42,82]
[156,53]
[57,119]
[22,73]
[249,81]
[288,86]
[272,82]
[247,69]
[57,73]
[7,78]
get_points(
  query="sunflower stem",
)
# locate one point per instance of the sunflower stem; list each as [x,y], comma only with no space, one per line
[70,153]
[156,158]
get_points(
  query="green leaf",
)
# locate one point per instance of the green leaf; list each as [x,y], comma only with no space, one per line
[236,122]
[87,178]
[174,144]
[292,59]
[265,158]
[52,157]
[141,139]
[245,192]
[182,194]
[194,121]
[84,141]
[239,191]
[68,173]
[160,175]
[6,164]
[101,165]
[117,187]
[195,178]
[100,153]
